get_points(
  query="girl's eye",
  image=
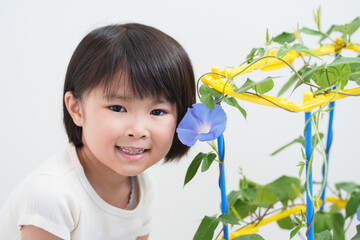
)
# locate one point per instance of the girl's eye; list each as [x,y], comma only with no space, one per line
[157,112]
[117,108]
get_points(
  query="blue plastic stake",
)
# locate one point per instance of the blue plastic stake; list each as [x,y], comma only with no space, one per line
[328,144]
[224,204]
[308,149]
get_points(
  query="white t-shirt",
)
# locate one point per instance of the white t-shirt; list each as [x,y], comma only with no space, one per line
[58,198]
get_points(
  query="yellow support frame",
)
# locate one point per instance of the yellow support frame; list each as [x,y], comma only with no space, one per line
[310,101]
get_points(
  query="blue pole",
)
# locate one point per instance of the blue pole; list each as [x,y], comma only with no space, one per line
[224,204]
[328,144]
[309,204]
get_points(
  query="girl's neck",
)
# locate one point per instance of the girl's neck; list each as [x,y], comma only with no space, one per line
[110,186]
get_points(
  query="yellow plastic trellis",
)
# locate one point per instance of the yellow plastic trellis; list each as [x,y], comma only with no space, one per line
[254,228]
[310,101]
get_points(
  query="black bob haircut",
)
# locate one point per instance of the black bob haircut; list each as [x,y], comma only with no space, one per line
[153,62]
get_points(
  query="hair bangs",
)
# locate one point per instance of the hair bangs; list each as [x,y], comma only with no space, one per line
[139,69]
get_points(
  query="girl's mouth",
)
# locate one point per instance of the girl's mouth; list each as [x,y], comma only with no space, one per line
[132,151]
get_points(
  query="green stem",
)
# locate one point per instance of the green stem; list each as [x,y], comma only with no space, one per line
[316,128]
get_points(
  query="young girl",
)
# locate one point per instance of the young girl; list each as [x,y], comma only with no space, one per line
[126,89]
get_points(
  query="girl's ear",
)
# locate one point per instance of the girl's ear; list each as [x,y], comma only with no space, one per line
[73,106]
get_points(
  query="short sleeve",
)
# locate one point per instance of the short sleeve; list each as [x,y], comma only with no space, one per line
[150,206]
[48,205]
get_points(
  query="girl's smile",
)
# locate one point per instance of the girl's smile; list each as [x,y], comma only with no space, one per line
[132,153]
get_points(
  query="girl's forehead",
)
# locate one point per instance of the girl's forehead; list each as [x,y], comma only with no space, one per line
[127,94]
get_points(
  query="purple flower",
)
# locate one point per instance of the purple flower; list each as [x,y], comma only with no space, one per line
[201,123]
[358,213]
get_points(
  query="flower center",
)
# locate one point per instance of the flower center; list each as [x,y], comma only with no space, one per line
[204,129]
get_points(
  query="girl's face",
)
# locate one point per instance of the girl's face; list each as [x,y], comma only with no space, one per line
[125,133]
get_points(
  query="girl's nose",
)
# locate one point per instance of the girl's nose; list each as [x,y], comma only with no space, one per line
[137,129]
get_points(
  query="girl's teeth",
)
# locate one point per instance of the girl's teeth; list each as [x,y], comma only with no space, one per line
[132,151]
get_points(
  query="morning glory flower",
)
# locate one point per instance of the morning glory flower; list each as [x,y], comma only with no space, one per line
[358,213]
[201,123]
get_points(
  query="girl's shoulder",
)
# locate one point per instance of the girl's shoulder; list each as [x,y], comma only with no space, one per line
[48,184]
[45,198]
[58,165]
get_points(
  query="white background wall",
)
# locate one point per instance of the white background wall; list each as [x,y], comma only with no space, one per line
[37,39]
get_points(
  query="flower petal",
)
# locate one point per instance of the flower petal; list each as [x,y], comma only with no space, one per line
[358,213]
[187,137]
[206,136]
[198,118]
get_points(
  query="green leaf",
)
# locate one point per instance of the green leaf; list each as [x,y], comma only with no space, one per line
[246,86]
[249,237]
[328,76]
[285,186]
[208,96]
[286,223]
[243,208]
[261,52]
[268,41]
[334,209]
[208,101]
[298,220]
[232,197]
[207,161]
[228,219]
[295,231]
[284,37]
[264,86]
[303,216]
[301,165]
[349,28]
[325,235]
[322,222]
[340,60]
[348,187]
[243,183]
[354,72]
[250,56]
[344,75]
[205,89]
[354,25]
[338,226]
[194,166]
[206,229]
[232,102]
[301,48]
[357,235]
[255,51]
[311,31]
[282,51]
[265,197]
[250,193]
[352,204]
